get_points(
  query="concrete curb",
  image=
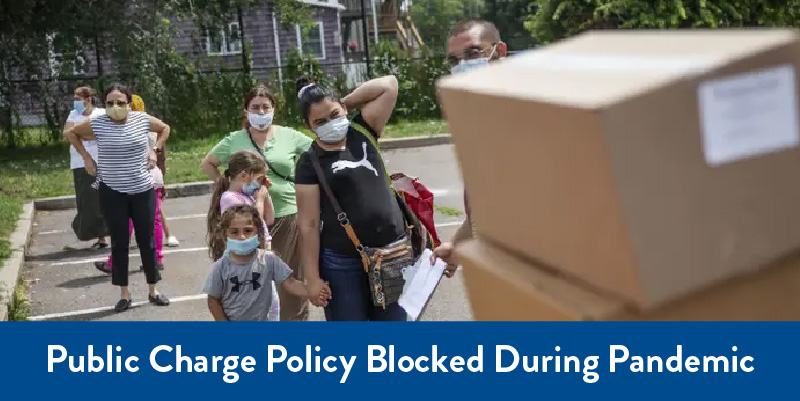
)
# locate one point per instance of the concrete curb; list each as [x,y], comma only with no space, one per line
[173,191]
[205,187]
[10,272]
[414,142]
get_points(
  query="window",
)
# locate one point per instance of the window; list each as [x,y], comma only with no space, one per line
[65,56]
[225,40]
[314,43]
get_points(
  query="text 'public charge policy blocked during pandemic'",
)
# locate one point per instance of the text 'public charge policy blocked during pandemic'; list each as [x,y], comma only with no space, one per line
[165,358]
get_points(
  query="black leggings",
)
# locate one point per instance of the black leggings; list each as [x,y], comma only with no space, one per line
[141,209]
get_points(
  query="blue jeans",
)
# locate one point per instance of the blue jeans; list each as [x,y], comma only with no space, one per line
[351,300]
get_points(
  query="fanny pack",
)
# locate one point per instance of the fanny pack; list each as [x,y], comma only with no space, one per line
[384,265]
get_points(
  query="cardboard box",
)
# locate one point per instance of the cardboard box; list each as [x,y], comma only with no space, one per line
[502,287]
[650,164]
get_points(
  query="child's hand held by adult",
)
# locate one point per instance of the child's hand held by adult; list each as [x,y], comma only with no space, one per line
[319,292]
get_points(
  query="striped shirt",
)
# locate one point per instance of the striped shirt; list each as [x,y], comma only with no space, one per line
[122,152]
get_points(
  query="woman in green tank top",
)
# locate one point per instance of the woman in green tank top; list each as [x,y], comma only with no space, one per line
[281,147]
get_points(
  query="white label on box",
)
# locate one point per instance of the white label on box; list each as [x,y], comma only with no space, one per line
[749,114]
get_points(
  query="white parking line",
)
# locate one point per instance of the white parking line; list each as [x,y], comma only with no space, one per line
[449,224]
[92,311]
[185,217]
[438,192]
[135,254]
[103,309]
[188,216]
[54,232]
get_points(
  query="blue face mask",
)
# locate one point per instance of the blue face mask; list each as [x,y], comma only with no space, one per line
[243,248]
[79,106]
[250,188]
[469,65]
[472,64]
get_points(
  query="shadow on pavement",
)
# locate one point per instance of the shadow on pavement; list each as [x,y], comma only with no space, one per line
[63,254]
[94,315]
[93,280]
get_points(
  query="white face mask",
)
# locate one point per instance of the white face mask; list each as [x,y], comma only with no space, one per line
[333,131]
[260,121]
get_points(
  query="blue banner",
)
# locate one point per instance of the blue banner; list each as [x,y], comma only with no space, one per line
[398,361]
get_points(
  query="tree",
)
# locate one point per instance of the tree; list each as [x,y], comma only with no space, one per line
[434,18]
[509,16]
[556,19]
[137,35]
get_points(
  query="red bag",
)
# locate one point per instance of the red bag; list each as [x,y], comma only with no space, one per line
[419,200]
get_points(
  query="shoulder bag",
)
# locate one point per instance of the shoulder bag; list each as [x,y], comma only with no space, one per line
[384,265]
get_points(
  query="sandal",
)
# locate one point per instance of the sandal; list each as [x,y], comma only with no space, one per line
[103,267]
[99,245]
[123,305]
[160,299]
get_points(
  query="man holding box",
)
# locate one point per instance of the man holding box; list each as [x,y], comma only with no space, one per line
[471,44]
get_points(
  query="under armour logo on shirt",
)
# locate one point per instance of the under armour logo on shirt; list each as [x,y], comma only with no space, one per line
[343,164]
[237,285]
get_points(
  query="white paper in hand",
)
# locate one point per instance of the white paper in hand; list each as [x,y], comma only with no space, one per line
[423,281]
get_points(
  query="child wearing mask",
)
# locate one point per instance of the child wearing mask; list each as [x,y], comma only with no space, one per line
[244,182]
[235,285]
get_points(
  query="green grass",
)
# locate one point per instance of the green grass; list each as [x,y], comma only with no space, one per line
[448,211]
[10,208]
[405,129]
[18,306]
[40,172]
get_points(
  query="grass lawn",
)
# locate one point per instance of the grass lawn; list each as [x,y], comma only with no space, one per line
[39,172]
[10,208]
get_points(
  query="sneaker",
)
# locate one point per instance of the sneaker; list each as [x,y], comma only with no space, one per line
[160,299]
[122,305]
[172,241]
[103,267]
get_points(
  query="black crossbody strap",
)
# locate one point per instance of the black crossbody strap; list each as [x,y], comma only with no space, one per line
[340,214]
[324,183]
[269,165]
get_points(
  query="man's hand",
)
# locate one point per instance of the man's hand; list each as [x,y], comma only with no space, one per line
[91,167]
[446,254]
